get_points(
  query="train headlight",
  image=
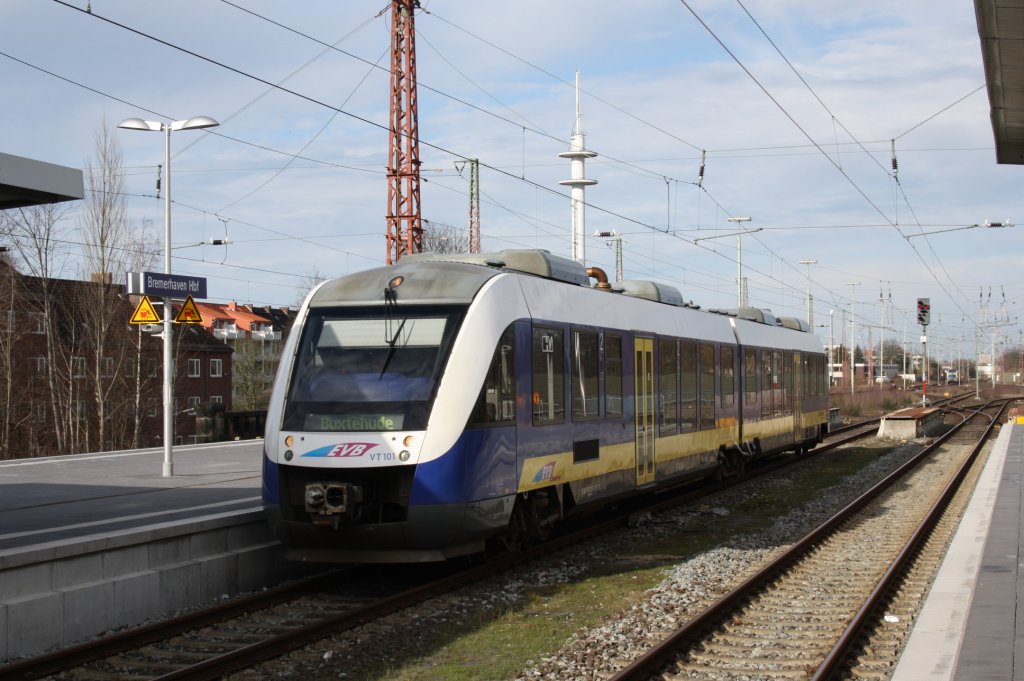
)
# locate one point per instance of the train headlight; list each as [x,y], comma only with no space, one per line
[289,441]
[404,455]
[288,455]
[408,440]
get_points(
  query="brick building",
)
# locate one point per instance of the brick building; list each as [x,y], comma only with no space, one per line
[76,377]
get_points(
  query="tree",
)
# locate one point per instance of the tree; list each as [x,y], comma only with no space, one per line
[306,284]
[108,238]
[10,335]
[248,376]
[37,238]
[441,238]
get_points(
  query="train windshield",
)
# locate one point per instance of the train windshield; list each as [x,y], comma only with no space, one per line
[369,370]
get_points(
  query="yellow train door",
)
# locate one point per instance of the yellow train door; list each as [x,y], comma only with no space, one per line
[644,395]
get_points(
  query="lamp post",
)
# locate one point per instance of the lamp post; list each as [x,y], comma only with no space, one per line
[810,305]
[853,337]
[613,236]
[195,123]
[741,300]
[831,344]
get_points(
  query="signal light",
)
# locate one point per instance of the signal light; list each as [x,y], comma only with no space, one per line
[924,311]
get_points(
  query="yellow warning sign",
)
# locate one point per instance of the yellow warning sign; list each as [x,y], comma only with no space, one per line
[189,313]
[144,313]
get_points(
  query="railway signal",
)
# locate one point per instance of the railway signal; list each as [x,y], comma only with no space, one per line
[924,316]
[924,311]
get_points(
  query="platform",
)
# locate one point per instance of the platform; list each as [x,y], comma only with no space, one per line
[967,629]
[92,542]
[911,423]
[66,497]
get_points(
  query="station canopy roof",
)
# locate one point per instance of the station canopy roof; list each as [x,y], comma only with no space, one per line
[1001,29]
[26,182]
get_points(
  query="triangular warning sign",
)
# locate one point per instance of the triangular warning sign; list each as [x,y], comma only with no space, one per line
[144,313]
[189,313]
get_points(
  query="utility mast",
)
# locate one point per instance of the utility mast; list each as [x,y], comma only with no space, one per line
[577,154]
[404,221]
[474,205]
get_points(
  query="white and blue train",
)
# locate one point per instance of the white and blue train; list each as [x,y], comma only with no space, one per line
[425,409]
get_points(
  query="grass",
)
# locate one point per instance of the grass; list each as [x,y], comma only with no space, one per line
[871,402]
[498,642]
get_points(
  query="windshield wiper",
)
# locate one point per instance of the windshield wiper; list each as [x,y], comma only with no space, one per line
[391,348]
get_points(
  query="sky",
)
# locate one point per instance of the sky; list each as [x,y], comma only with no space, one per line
[794,108]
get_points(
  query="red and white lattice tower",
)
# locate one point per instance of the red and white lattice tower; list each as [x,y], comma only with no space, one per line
[404,221]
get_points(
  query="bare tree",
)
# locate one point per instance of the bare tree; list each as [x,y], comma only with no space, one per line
[140,381]
[307,284]
[108,237]
[10,334]
[37,238]
[441,238]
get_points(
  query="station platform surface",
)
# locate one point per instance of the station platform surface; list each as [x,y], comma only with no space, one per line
[967,629]
[68,498]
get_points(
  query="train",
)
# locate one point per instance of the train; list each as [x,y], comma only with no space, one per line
[448,405]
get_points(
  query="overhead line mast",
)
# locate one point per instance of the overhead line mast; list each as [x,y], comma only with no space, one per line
[404,221]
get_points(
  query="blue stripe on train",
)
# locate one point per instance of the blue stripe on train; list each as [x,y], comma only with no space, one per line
[271,495]
[481,465]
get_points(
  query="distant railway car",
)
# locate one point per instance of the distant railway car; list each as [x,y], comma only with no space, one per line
[424,409]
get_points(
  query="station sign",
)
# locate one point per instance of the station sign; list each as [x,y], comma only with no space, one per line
[166,285]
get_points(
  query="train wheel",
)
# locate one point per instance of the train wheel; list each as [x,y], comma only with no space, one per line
[515,536]
[532,518]
[737,464]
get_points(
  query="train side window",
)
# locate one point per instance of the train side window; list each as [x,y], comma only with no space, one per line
[548,375]
[817,376]
[612,375]
[750,375]
[766,384]
[707,386]
[586,400]
[668,408]
[688,386]
[728,377]
[790,379]
[497,401]
[807,375]
[778,391]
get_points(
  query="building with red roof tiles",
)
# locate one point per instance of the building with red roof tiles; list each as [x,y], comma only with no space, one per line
[257,337]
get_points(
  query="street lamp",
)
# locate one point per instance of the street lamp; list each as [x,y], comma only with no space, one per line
[156,126]
[810,305]
[613,236]
[853,337]
[831,343]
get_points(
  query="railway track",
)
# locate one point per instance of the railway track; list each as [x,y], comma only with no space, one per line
[245,632]
[819,609]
